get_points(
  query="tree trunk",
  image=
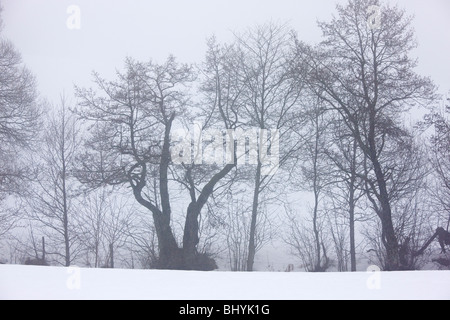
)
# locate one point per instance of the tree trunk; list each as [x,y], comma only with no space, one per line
[64,192]
[96,254]
[66,222]
[316,189]
[252,235]
[190,237]
[391,244]
[389,238]
[111,254]
[388,232]
[352,204]
[169,252]
[192,260]
[67,246]
[318,266]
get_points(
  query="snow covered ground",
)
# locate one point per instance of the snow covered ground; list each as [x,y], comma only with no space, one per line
[29,282]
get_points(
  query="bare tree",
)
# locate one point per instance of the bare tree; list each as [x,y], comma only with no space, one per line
[270,92]
[439,121]
[103,225]
[314,174]
[131,145]
[237,235]
[91,222]
[236,226]
[314,177]
[339,230]
[413,228]
[413,221]
[302,240]
[20,118]
[37,246]
[19,112]
[51,198]
[117,227]
[364,73]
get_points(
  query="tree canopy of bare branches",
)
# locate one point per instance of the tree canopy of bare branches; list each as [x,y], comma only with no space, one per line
[365,74]
[132,124]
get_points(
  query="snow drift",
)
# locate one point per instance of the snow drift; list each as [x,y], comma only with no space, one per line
[29,282]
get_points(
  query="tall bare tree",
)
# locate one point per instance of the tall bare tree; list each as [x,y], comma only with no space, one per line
[315,176]
[134,119]
[270,92]
[363,71]
[51,198]
[20,117]
[91,226]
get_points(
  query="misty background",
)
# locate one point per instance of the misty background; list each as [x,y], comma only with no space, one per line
[110,31]
[113,29]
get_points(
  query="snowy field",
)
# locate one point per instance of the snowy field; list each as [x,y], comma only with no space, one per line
[29,282]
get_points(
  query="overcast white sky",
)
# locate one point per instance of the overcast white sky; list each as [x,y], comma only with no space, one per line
[144,29]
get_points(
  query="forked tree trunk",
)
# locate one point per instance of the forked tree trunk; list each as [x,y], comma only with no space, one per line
[192,260]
